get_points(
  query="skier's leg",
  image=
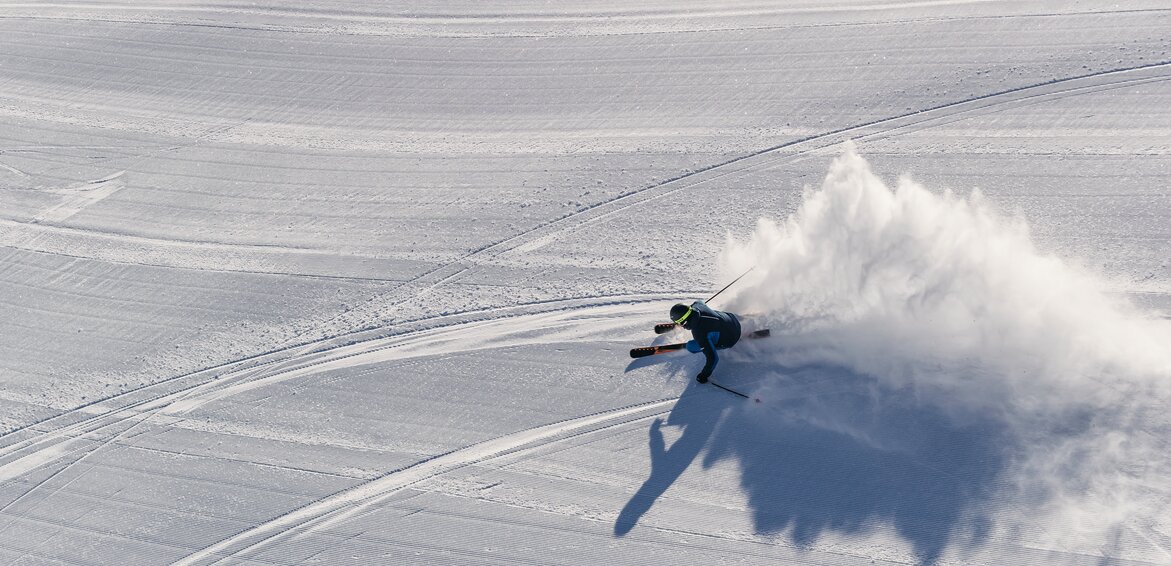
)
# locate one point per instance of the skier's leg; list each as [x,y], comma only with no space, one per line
[694,347]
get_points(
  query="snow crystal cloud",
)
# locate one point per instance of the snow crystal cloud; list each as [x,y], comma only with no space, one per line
[946,299]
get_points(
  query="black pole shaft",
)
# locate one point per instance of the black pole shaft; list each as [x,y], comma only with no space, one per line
[730,284]
[729,389]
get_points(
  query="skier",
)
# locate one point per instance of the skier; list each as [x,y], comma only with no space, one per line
[711,330]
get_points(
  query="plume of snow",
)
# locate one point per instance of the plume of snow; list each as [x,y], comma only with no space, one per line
[946,299]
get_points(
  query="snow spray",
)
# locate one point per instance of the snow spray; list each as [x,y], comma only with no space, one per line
[947,300]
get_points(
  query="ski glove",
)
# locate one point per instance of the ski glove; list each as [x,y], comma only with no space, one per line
[703,375]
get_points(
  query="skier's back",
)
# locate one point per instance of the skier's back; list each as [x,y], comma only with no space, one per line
[711,330]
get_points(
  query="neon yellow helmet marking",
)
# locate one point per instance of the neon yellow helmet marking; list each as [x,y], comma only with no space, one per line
[685,315]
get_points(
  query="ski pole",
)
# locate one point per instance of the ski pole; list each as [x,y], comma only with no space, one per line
[665,327]
[709,299]
[730,390]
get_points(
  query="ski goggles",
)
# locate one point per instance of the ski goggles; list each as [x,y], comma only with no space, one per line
[685,316]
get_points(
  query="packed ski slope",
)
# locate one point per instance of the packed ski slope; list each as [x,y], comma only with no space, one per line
[344,283]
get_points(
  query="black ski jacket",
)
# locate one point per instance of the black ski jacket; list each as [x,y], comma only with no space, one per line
[712,330]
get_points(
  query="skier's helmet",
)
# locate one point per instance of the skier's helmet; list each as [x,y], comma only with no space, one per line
[680,313]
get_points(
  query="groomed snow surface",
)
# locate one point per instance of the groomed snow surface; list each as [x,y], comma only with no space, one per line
[344,283]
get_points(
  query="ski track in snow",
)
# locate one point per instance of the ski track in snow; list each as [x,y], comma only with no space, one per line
[698,18]
[888,127]
[538,236]
[84,438]
[78,198]
[341,506]
[77,433]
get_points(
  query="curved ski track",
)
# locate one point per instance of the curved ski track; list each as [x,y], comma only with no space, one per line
[793,150]
[541,234]
[344,504]
[70,433]
[80,439]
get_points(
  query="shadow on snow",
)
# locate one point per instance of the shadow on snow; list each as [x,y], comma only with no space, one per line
[828,450]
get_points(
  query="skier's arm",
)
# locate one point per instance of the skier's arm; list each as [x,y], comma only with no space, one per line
[709,352]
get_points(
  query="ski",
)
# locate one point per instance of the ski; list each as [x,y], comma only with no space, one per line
[653,350]
[664,327]
[645,351]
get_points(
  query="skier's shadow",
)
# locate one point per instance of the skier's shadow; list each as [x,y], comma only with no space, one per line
[698,417]
[829,451]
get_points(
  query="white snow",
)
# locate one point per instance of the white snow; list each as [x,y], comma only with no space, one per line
[350,283]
